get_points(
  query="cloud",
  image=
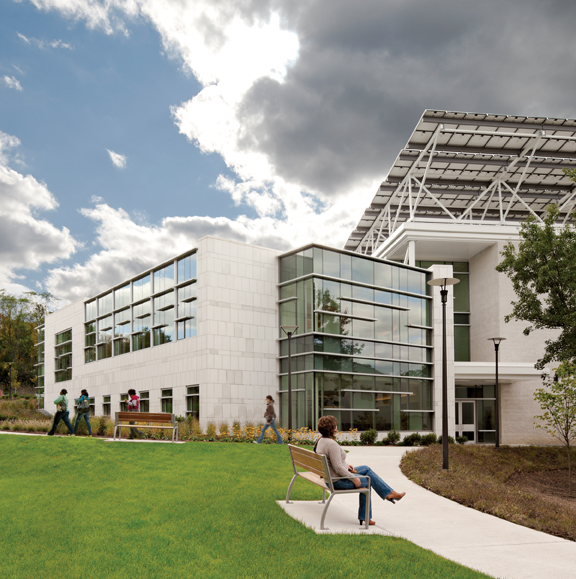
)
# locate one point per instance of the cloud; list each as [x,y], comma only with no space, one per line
[26,241]
[117,159]
[12,82]
[43,44]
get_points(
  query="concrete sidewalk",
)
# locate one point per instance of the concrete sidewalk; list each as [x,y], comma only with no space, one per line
[477,540]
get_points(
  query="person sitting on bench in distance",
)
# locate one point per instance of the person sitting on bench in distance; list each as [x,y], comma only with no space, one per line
[327,445]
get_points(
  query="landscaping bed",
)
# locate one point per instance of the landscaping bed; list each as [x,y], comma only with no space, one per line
[524,485]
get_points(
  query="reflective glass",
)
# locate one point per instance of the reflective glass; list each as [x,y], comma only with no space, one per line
[331,263]
[187,268]
[105,304]
[141,288]
[164,278]
[122,297]
[363,270]
[91,310]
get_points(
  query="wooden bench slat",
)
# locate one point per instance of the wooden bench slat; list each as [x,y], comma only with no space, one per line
[316,470]
[311,477]
[153,420]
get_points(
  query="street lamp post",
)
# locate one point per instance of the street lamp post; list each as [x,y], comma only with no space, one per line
[497,342]
[444,282]
[10,379]
[289,331]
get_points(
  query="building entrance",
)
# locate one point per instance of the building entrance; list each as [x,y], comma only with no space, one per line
[466,419]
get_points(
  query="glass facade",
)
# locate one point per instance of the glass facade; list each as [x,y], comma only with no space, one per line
[40,366]
[362,351]
[154,309]
[63,356]
[461,307]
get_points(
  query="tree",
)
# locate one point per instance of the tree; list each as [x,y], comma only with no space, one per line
[543,275]
[558,403]
[19,317]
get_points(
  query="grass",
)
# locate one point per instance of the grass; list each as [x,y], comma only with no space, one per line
[485,479]
[72,507]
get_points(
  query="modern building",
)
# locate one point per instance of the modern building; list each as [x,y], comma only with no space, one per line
[202,333]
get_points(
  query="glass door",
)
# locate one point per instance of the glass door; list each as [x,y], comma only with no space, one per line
[466,419]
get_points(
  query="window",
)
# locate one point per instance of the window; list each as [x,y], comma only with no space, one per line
[63,356]
[164,327]
[106,406]
[141,288]
[123,402]
[187,268]
[122,297]
[193,401]
[186,326]
[40,368]
[122,332]
[166,401]
[144,401]
[105,304]
[141,326]
[104,344]
[91,310]
[164,278]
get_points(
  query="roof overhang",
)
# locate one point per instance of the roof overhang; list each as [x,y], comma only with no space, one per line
[468,168]
[484,372]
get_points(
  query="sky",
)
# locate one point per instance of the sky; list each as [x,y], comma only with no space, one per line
[129,129]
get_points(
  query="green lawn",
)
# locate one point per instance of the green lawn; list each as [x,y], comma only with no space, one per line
[84,508]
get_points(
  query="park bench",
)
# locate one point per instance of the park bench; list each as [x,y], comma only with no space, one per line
[315,470]
[163,420]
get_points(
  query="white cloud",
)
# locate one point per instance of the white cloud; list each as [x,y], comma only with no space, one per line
[26,241]
[12,82]
[117,159]
[45,43]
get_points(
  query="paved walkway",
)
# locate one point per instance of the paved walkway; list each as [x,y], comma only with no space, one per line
[477,540]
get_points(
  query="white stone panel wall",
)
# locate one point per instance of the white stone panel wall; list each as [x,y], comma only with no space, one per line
[233,358]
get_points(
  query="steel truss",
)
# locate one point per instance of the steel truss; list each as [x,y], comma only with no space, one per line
[497,172]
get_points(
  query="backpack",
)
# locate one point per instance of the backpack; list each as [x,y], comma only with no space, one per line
[83,406]
[62,406]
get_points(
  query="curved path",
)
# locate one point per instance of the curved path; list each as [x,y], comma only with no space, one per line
[477,540]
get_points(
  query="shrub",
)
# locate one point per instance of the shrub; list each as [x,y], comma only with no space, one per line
[412,439]
[369,436]
[236,429]
[450,440]
[101,428]
[211,429]
[223,429]
[393,437]
[17,427]
[428,439]
[195,427]
[461,439]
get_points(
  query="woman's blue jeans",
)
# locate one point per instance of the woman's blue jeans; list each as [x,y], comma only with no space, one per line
[273,426]
[79,417]
[381,488]
[57,418]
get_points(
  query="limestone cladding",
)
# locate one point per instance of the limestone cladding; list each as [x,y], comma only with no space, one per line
[233,358]
[439,271]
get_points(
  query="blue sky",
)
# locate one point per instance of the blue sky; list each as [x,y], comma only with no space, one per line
[267,121]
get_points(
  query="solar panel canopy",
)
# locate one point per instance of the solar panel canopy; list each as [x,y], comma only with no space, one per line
[473,168]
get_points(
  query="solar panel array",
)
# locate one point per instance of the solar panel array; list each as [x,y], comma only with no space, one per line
[473,167]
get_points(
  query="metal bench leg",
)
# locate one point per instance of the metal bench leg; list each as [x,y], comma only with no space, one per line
[324,513]
[290,488]
[367,513]
[323,497]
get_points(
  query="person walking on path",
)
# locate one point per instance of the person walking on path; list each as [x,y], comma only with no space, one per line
[61,413]
[270,417]
[134,406]
[83,411]
[344,473]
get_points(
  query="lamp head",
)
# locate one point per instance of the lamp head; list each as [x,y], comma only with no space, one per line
[289,330]
[443,281]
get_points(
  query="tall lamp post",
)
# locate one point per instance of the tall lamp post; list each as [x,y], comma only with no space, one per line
[289,331]
[10,379]
[497,342]
[444,282]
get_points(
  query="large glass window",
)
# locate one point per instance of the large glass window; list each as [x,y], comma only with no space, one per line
[164,278]
[164,327]
[122,297]
[105,304]
[141,288]
[187,268]
[105,334]
[63,356]
[166,400]
[91,310]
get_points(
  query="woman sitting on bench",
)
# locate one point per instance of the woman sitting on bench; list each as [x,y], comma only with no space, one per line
[327,445]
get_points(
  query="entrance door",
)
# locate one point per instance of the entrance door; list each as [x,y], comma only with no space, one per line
[466,419]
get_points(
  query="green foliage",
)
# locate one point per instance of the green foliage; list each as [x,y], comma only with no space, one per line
[223,429]
[211,429]
[429,439]
[543,276]
[226,496]
[413,439]
[369,436]
[461,439]
[450,440]
[392,437]
[557,401]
